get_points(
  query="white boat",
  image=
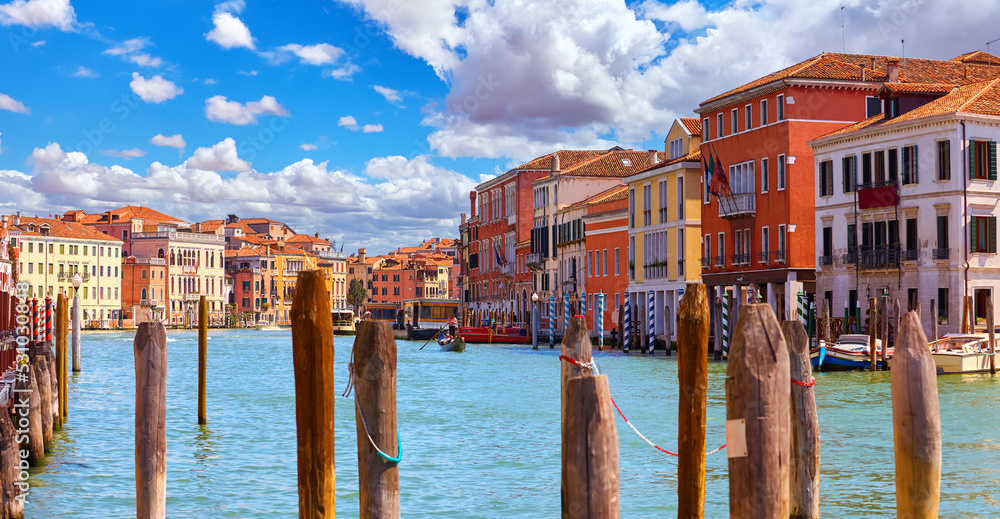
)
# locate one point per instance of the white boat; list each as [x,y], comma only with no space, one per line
[850,352]
[265,326]
[961,353]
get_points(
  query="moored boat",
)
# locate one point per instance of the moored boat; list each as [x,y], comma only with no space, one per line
[961,353]
[265,326]
[343,322]
[449,343]
[495,334]
[850,353]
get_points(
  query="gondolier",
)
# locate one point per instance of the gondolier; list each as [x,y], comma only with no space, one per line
[452,325]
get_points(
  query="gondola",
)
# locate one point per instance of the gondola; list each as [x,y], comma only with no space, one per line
[449,343]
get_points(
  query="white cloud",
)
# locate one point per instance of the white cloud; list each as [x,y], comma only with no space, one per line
[82,71]
[319,54]
[174,141]
[209,81]
[219,109]
[349,122]
[231,6]
[371,128]
[155,89]
[39,13]
[688,14]
[248,72]
[393,96]
[221,157]
[230,32]
[123,154]
[145,60]
[393,201]
[308,147]
[128,46]
[38,43]
[345,72]
[8,103]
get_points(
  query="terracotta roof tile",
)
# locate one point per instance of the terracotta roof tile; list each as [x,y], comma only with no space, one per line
[305,238]
[979,57]
[567,159]
[917,88]
[129,212]
[615,193]
[693,125]
[615,164]
[62,229]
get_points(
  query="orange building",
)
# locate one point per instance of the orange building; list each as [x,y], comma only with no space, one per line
[759,234]
[144,288]
[606,222]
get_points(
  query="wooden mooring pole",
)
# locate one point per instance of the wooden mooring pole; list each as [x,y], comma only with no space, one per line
[991,332]
[872,330]
[804,470]
[934,321]
[375,417]
[202,360]
[62,364]
[885,331]
[757,416]
[916,422]
[150,347]
[590,450]
[62,325]
[315,395]
[692,372]
[41,370]
[575,346]
[11,466]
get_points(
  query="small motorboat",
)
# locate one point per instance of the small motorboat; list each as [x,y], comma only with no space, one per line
[449,343]
[961,353]
[495,334]
[850,353]
[265,326]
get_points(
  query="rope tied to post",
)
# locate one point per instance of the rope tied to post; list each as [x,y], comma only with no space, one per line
[811,383]
[592,365]
[347,391]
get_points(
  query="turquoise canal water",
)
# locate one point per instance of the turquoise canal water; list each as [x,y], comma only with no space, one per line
[480,434]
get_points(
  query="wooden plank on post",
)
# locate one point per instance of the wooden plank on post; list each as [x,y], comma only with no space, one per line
[590,450]
[375,415]
[62,324]
[916,422]
[315,395]
[965,314]
[934,321]
[757,411]
[150,348]
[804,466]
[872,330]
[41,370]
[202,360]
[885,328]
[991,332]
[692,372]
[575,346]
[36,436]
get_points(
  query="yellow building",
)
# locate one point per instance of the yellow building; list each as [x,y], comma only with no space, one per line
[665,229]
[51,251]
[289,260]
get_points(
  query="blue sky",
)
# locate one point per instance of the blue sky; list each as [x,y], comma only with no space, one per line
[370,120]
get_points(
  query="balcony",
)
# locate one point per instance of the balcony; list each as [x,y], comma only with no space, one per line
[779,256]
[189,269]
[507,268]
[180,236]
[878,194]
[762,257]
[720,261]
[654,270]
[941,254]
[851,258]
[738,206]
[740,259]
[535,260]
[289,273]
[910,255]
[192,296]
[880,258]
[826,261]
[706,263]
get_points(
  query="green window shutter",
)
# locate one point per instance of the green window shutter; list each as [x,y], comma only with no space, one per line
[914,162]
[993,233]
[993,160]
[846,164]
[973,223]
[972,159]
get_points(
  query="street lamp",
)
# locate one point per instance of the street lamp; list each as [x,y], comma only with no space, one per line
[534,320]
[77,316]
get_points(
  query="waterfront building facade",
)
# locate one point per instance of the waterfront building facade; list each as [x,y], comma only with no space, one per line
[7,290]
[664,235]
[144,289]
[254,288]
[906,204]
[606,244]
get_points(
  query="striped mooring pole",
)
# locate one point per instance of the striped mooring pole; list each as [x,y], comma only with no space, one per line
[552,321]
[37,331]
[48,318]
[583,303]
[627,320]
[802,309]
[565,313]
[652,320]
[725,323]
[599,319]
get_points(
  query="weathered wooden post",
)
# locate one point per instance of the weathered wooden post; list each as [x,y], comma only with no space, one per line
[375,417]
[885,330]
[885,345]
[989,325]
[315,395]
[872,330]
[36,438]
[757,416]
[40,369]
[965,314]
[62,365]
[692,372]
[804,470]
[62,339]
[10,467]
[826,322]
[590,450]
[934,320]
[916,424]
[151,421]
[202,360]
[575,346]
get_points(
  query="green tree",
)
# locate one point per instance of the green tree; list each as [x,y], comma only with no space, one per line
[356,294]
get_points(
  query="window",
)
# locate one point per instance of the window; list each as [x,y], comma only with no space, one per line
[741,178]
[647,203]
[866,169]
[910,165]
[143,275]
[763,175]
[781,172]
[943,160]
[31,246]
[984,234]
[62,249]
[590,264]
[852,238]
[704,130]
[631,208]
[983,159]
[748,117]
[942,237]
[763,112]
[676,148]
[765,243]
[617,271]
[246,286]
[735,121]
[395,291]
[826,179]
[780,106]
[942,305]
[605,262]
[781,240]
[662,192]
[737,247]
[680,251]
[911,238]
[893,164]
[51,247]
[720,260]
[879,162]
[718,123]
[706,244]
[707,185]
[873,106]
[680,198]
[850,170]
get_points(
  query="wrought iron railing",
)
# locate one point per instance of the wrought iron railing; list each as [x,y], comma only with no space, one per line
[743,204]
[762,257]
[880,258]
[826,261]
[720,261]
[910,255]
[779,256]
[941,254]
[851,258]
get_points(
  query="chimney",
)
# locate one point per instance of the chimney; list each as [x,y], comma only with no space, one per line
[17,218]
[361,256]
[4,219]
[653,159]
[472,203]
[892,70]
[555,163]
[317,235]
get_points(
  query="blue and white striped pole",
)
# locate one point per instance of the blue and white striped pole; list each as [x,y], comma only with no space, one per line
[552,321]
[583,303]
[627,322]
[725,323]
[565,313]
[652,317]
[599,320]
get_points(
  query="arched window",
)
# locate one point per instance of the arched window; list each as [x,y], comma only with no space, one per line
[143,276]
[144,293]
[172,258]
[159,254]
